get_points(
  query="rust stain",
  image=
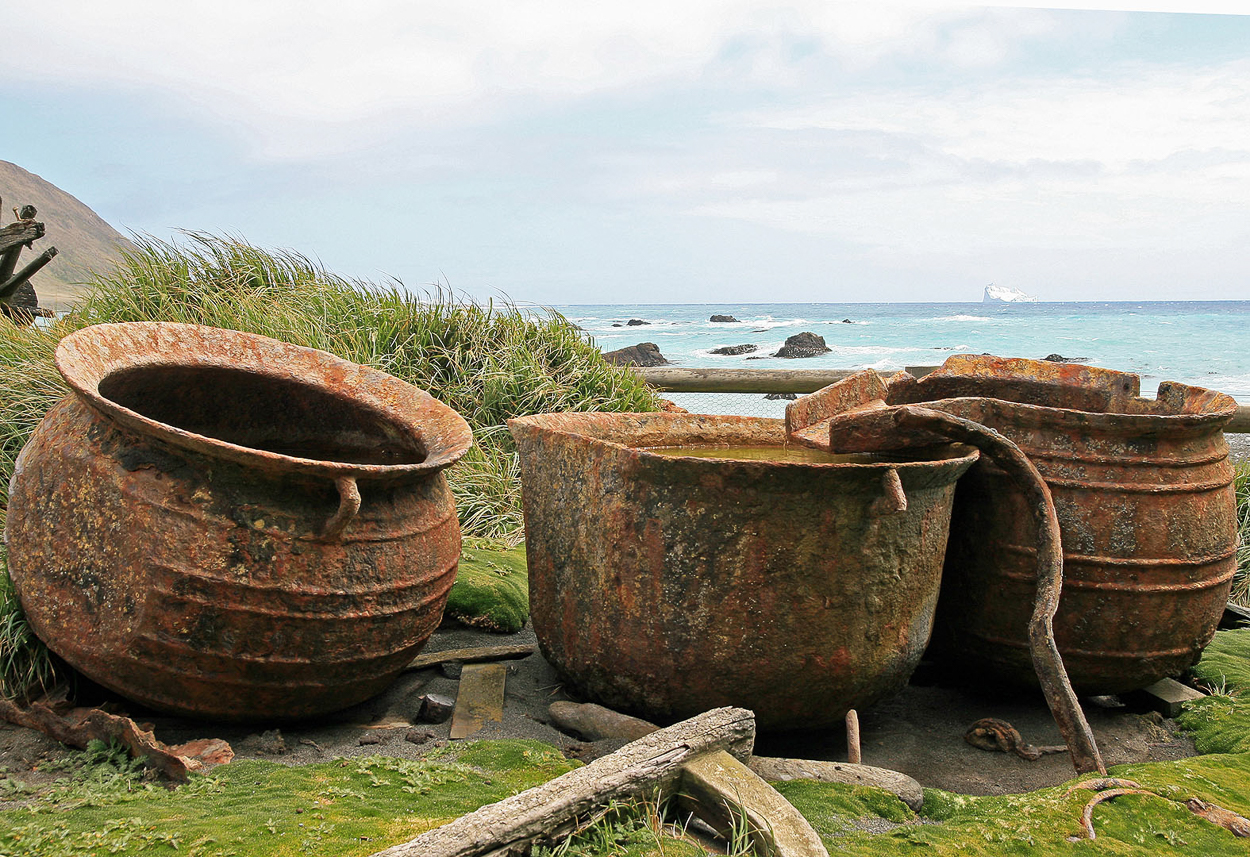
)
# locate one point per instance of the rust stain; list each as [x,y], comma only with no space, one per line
[1144,497]
[664,586]
[182,527]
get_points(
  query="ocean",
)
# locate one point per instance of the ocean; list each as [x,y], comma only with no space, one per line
[1195,342]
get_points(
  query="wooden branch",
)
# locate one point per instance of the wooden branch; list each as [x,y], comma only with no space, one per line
[514,825]
[13,283]
[83,725]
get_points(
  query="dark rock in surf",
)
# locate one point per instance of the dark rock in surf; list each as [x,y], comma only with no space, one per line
[734,350]
[642,354]
[723,319]
[803,344]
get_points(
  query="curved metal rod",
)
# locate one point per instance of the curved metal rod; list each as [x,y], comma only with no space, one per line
[349,505]
[1047,663]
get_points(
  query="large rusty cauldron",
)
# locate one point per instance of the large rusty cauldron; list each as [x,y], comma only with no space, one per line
[223,525]
[665,586]
[1144,496]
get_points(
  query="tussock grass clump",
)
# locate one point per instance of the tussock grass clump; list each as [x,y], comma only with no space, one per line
[26,665]
[489,361]
[1241,580]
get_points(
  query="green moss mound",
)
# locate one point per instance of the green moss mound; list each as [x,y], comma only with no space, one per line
[491,591]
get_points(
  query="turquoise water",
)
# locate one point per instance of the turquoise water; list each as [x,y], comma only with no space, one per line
[1201,343]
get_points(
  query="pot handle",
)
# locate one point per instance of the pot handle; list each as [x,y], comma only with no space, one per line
[893,500]
[349,505]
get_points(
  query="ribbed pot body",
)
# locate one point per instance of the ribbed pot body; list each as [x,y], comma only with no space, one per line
[1143,489]
[207,584]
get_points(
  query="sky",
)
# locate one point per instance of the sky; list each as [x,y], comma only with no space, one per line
[687,151]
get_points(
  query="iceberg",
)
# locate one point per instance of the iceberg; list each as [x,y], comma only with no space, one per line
[1006,295]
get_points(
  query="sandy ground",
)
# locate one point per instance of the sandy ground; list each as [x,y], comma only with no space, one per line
[920,732]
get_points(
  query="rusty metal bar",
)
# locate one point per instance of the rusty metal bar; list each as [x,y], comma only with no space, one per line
[1062,700]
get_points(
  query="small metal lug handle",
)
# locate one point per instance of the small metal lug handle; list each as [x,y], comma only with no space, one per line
[349,505]
[894,500]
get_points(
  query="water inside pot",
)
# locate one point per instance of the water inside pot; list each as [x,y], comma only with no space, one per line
[779,454]
[263,412]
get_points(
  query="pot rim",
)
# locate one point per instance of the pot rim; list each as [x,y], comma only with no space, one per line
[88,356]
[1123,389]
[567,423]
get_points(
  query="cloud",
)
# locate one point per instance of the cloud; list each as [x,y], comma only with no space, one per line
[304,79]
[1144,157]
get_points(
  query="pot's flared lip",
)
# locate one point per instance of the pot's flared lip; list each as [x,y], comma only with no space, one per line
[639,433]
[88,357]
[986,377]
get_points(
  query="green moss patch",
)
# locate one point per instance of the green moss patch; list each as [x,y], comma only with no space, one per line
[1047,821]
[1041,823]
[491,591]
[248,808]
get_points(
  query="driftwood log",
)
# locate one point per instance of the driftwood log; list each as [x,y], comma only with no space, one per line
[594,722]
[545,813]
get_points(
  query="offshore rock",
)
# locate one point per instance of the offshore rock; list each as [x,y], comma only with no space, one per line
[642,354]
[803,344]
[723,319]
[734,350]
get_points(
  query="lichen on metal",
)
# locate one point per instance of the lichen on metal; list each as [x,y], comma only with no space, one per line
[666,585]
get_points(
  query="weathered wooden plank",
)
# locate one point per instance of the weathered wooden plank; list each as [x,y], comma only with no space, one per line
[594,722]
[480,699]
[18,233]
[473,655]
[702,380]
[546,812]
[724,792]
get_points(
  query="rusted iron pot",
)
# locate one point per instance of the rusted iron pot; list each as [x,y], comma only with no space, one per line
[665,586]
[1147,513]
[223,525]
